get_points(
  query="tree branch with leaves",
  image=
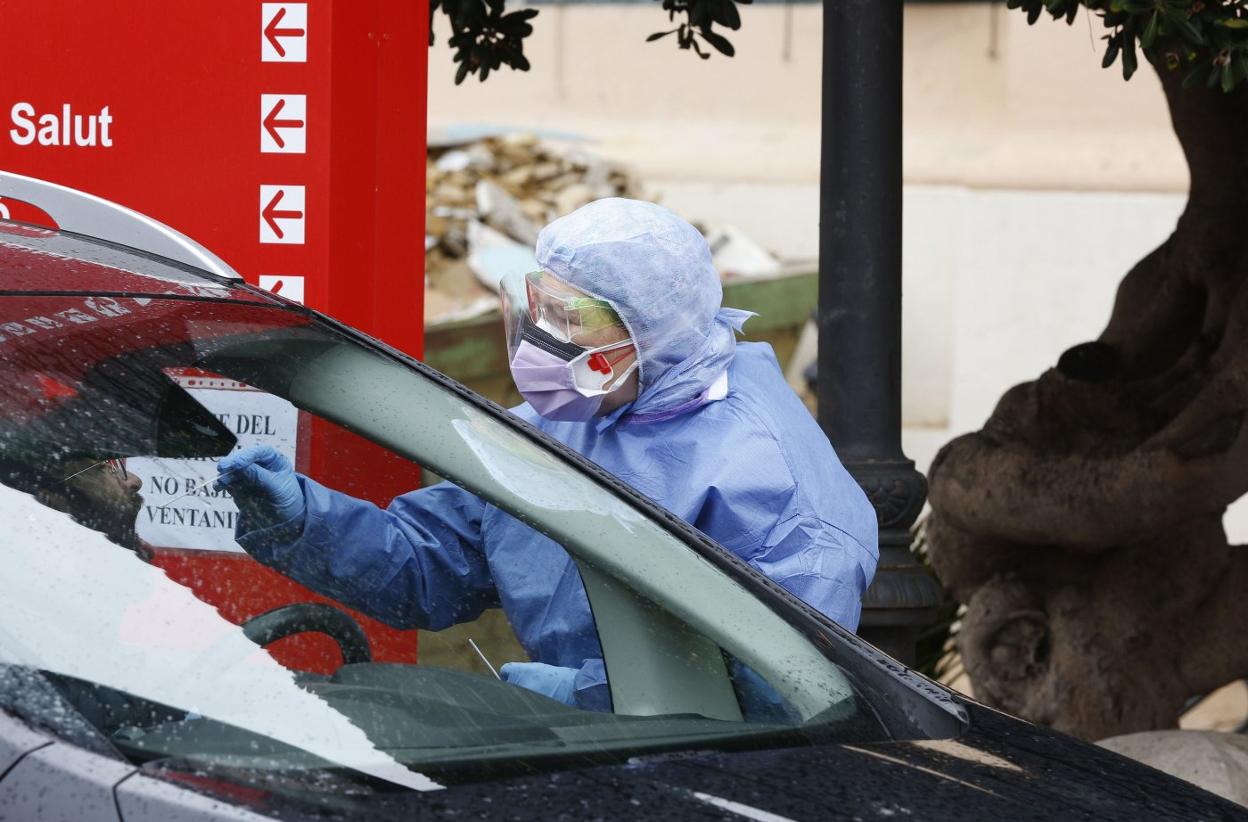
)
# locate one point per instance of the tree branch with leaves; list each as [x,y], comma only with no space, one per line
[485,36]
[1206,39]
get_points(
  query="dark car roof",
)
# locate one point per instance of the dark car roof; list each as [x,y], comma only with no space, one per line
[36,260]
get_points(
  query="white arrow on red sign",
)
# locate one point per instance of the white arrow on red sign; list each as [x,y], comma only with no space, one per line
[281,214]
[290,287]
[283,33]
[283,123]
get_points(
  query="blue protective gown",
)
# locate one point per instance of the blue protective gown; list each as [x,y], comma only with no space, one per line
[753,471]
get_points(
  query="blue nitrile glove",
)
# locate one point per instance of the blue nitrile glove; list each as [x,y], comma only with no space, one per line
[759,701]
[547,680]
[263,485]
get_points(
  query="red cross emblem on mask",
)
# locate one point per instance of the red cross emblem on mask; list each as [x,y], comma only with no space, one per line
[599,363]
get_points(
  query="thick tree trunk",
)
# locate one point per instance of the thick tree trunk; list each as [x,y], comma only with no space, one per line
[1082,525]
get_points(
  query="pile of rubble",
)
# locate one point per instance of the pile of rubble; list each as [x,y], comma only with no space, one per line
[487,199]
[544,182]
[484,205]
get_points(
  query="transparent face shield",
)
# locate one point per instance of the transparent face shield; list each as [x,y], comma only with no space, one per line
[541,312]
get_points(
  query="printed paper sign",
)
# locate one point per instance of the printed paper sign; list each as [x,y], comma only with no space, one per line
[205,517]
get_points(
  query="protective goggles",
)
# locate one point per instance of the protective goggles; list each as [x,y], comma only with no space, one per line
[544,315]
[563,311]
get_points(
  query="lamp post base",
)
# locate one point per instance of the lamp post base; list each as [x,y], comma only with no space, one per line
[902,601]
[904,598]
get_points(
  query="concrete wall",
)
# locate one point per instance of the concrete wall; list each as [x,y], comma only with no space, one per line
[989,101]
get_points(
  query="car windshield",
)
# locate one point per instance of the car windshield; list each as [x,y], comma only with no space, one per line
[131,619]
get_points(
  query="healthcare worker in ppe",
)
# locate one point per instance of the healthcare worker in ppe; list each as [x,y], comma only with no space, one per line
[622,351]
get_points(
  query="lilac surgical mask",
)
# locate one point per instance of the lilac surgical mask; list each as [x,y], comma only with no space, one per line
[563,381]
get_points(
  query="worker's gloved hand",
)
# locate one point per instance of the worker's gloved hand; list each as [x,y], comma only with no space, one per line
[263,485]
[547,680]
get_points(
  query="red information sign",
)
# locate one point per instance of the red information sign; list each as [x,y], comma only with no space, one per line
[288,138]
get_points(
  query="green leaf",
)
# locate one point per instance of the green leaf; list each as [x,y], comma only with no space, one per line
[1129,61]
[725,13]
[1150,31]
[698,13]
[1190,31]
[1232,23]
[1111,51]
[720,42]
[1228,77]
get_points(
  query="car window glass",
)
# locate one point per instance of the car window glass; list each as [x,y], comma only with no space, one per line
[163,584]
[87,626]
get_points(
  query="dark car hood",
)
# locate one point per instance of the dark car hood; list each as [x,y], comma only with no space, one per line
[1000,769]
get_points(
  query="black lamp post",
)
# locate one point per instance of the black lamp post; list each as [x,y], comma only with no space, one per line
[859,382]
